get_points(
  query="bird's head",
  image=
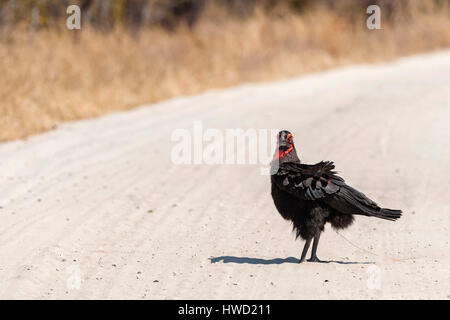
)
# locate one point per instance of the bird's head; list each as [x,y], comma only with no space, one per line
[285,147]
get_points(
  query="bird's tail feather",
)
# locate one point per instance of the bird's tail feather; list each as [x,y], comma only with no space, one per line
[365,206]
[388,214]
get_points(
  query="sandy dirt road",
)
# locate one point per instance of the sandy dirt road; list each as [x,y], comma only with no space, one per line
[97,209]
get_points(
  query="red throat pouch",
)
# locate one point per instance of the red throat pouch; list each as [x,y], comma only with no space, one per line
[281,154]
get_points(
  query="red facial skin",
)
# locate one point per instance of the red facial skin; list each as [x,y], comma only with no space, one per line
[281,153]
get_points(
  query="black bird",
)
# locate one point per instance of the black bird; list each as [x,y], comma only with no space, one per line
[312,195]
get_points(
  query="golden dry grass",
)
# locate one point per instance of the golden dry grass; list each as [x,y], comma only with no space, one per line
[54,76]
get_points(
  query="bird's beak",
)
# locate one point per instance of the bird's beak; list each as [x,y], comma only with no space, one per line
[283,144]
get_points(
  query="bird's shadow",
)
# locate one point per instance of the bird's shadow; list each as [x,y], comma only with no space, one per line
[247,260]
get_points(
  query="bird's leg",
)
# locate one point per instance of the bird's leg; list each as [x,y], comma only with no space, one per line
[314,249]
[305,250]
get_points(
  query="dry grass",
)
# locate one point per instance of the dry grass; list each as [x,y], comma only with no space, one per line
[51,76]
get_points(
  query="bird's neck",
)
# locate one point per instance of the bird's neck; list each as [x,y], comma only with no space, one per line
[289,155]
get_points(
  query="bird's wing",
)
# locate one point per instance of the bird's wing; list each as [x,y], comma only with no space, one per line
[308,182]
[320,182]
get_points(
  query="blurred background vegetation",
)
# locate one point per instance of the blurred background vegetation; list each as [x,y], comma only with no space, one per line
[130,52]
[105,15]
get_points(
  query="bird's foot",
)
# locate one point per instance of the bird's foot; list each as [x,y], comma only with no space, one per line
[315,259]
[302,260]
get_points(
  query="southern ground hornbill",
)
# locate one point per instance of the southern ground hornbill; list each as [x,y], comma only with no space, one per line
[312,195]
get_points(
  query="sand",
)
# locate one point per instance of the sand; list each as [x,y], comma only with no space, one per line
[97,209]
